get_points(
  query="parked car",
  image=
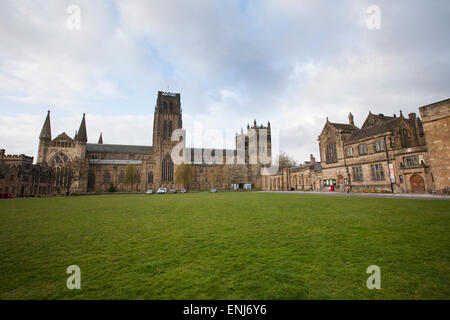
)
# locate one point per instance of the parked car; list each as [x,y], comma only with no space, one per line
[172,191]
[213,190]
[183,190]
[161,191]
[150,191]
[6,196]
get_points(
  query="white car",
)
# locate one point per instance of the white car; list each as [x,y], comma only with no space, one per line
[161,191]
[150,191]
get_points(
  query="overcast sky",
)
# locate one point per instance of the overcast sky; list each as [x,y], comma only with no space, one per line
[292,62]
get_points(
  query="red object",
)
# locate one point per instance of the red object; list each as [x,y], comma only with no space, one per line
[331,188]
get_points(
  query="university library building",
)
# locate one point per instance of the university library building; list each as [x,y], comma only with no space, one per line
[395,154]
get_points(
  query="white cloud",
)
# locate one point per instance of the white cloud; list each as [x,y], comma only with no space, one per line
[291,62]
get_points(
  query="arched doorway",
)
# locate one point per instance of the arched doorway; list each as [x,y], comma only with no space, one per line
[417,183]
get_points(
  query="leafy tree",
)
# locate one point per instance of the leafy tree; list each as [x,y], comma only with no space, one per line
[111,187]
[184,174]
[131,176]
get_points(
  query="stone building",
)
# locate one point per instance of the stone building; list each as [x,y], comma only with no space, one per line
[21,178]
[436,125]
[105,164]
[387,154]
[304,177]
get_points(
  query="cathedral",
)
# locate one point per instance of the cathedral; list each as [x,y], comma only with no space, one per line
[105,164]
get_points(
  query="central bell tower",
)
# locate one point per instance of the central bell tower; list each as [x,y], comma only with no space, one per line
[167,118]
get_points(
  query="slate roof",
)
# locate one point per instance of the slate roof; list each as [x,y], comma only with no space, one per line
[383,124]
[344,127]
[117,148]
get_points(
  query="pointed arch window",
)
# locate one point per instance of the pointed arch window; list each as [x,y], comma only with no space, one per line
[167,169]
[150,177]
[405,140]
[165,129]
[169,133]
[60,160]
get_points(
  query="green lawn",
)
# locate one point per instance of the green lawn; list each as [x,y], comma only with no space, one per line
[224,246]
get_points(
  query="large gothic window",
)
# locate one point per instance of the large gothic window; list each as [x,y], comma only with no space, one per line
[60,160]
[167,169]
[331,153]
[150,177]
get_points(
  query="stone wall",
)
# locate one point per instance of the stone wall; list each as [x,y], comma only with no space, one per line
[436,124]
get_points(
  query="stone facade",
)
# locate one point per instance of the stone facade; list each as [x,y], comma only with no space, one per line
[436,124]
[387,154]
[304,177]
[105,164]
[21,178]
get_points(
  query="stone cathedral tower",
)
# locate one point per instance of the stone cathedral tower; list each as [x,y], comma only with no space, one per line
[167,118]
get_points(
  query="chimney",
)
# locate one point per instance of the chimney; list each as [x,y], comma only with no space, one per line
[350,119]
[412,117]
[311,157]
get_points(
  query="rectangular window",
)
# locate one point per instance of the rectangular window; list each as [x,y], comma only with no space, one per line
[379,145]
[357,174]
[400,177]
[350,152]
[363,148]
[377,172]
[410,161]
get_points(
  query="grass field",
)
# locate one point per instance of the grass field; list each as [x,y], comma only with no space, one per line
[224,246]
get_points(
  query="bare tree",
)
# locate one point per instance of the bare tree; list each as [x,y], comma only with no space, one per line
[234,174]
[285,161]
[67,173]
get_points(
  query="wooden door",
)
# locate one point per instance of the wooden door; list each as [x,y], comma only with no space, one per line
[417,183]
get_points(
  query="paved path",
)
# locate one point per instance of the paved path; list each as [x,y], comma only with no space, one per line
[377,195]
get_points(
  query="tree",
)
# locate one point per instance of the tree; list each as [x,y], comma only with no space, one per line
[234,174]
[131,176]
[285,161]
[184,174]
[66,173]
